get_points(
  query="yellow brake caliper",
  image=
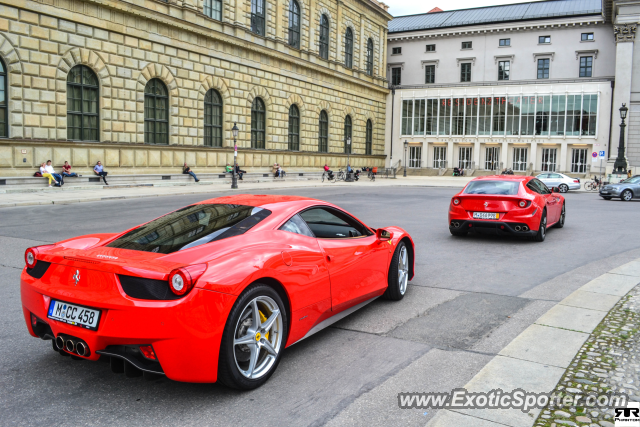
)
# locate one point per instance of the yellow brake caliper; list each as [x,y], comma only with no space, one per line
[263,319]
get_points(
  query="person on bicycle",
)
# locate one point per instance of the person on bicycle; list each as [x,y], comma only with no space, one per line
[328,171]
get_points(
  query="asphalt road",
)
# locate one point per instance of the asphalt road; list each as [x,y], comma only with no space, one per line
[471,296]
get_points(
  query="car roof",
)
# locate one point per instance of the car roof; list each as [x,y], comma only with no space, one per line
[502,178]
[261,200]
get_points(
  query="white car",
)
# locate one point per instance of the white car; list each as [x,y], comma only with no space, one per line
[560,180]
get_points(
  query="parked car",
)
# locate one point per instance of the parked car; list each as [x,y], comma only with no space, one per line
[625,190]
[560,180]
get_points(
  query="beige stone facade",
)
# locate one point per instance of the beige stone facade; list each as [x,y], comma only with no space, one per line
[127,43]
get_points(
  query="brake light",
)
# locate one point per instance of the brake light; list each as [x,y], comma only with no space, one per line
[181,280]
[34,320]
[524,203]
[456,201]
[576,180]
[30,257]
[147,352]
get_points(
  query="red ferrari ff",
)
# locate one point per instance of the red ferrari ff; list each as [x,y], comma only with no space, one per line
[506,204]
[213,291]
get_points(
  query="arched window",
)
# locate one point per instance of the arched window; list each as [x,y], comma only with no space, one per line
[294,128]
[369,58]
[4,111]
[257,17]
[323,135]
[213,119]
[347,134]
[348,48]
[82,104]
[294,24]
[324,37]
[156,114]
[369,138]
[257,123]
[213,9]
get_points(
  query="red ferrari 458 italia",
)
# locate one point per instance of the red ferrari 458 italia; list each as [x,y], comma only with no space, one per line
[506,205]
[213,291]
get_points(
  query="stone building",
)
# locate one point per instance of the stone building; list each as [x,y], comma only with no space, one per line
[531,86]
[145,85]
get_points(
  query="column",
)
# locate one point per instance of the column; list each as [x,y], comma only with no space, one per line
[280,30]
[239,15]
[382,63]
[339,35]
[504,153]
[450,154]
[533,158]
[563,157]
[362,45]
[476,154]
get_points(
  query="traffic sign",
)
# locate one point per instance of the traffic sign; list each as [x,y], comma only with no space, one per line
[601,154]
[594,154]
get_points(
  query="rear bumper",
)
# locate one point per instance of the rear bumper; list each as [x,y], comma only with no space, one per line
[573,185]
[185,334]
[493,227]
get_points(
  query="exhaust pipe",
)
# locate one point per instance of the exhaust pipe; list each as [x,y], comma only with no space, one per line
[517,228]
[525,228]
[70,346]
[60,343]
[82,349]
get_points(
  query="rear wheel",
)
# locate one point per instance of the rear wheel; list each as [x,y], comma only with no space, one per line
[253,338]
[563,188]
[542,230]
[560,222]
[398,274]
[626,195]
[588,186]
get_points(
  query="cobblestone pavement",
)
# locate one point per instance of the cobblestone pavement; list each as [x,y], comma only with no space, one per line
[608,361]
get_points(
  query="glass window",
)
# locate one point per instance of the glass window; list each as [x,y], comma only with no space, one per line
[505,42]
[558,106]
[502,188]
[82,104]
[439,157]
[504,67]
[492,158]
[258,124]
[257,17]
[465,72]
[466,45]
[369,58]
[333,224]
[589,114]
[368,142]
[431,121]
[191,226]
[520,159]
[348,143]
[430,74]
[471,116]
[298,226]
[586,66]
[418,116]
[431,48]
[444,117]
[573,115]
[543,68]
[465,157]
[544,39]
[499,115]
[348,48]
[513,115]
[586,37]
[579,160]
[457,116]
[156,113]
[213,119]
[396,76]
[543,108]
[396,50]
[527,115]
[4,111]
[294,128]
[324,37]
[407,117]
[294,24]
[213,9]
[323,136]
[484,120]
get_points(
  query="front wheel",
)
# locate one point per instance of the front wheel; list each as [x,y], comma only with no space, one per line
[563,188]
[253,338]
[626,195]
[542,230]
[398,274]
[588,186]
[563,214]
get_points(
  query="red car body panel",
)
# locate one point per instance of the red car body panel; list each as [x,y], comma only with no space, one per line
[320,278]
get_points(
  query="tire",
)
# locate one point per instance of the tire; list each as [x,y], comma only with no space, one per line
[542,230]
[398,277]
[322,178]
[563,188]
[606,197]
[563,215]
[263,336]
[626,195]
[588,186]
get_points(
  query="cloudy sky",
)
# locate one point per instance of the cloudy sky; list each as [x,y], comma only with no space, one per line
[411,7]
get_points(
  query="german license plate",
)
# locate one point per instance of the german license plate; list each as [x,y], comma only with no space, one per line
[486,215]
[73,314]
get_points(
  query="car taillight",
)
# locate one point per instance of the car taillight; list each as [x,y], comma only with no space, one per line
[576,180]
[456,201]
[30,257]
[147,351]
[181,280]
[522,203]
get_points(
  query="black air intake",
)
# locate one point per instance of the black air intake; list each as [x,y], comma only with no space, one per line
[38,271]
[149,289]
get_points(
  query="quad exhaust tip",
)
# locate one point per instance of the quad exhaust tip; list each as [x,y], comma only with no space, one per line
[518,228]
[70,346]
[81,349]
[525,228]
[60,343]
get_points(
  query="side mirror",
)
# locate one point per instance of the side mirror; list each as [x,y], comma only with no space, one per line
[384,235]
[555,190]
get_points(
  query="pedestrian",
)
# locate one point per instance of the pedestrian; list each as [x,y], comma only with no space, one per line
[229,168]
[46,174]
[240,172]
[186,169]
[98,170]
[629,174]
[49,168]
[280,172]
[275,168]
[66,170]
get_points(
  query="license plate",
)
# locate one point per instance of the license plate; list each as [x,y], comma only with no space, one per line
[73,314]
[486,215]
[604,192]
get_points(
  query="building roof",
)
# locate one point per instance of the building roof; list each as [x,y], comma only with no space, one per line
[496,14]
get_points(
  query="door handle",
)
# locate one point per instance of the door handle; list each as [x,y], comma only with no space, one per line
[328,258]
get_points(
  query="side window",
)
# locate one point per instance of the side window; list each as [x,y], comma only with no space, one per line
[543,176]
[533,187]
[298,226]
[538,187]
[332,224]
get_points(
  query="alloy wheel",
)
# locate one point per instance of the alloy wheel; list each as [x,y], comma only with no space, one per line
[543,226]
[627,195]
[563,188]
[403,270]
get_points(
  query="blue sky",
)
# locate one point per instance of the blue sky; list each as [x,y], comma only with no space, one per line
[410,7]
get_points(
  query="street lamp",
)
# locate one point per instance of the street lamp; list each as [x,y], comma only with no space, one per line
[620,166]
[406,146]
[348,154]
[234,177]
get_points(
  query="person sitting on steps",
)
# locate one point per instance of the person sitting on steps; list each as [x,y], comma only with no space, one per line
[187,170]
[98,170]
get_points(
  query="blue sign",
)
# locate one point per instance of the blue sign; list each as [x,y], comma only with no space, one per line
[601,153]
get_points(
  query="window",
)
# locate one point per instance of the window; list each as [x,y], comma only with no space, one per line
[418,117]
[213,9]
[326,223]
[484,119]
[213,119]
[457,116]
[156,113]
[527,115]
[589,114]
[348,48]
[503,70]
[465,72]
[396,50]
[466,45]
[368,141]
[543,68]
[538,187]
[558,107]
[369,58]
[549,156]
[513,115]
[464,159]
[544,39]
[415,157]
[407,117]
[82,104]
[324,37]
[504,42]
[543,109]
[439,157]
[431,48]
[396,74]
[502,188]
[294,128]
[257,17]
[4,122]
[430,74]
[586,66]
[347,134]
[573,115]
[258,123]
[323,134]
[471,116]
[444,114]
[492,158]
[499,115]
[294,24]
[520,159]
[297,225]
[431,120]
[586,37]
[579,160]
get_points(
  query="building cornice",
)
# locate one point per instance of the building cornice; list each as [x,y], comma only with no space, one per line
[574,82]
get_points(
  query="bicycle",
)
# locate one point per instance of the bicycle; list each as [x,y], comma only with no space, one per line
[341,175]
[372,174]
[593,185]
[330,178]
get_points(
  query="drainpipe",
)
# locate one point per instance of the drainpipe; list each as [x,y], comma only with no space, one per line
[393,97]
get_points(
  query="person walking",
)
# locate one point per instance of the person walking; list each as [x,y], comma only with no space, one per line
[187,170]
[99,170]
[629,174]
[45,174]
[49,168]
[66,170]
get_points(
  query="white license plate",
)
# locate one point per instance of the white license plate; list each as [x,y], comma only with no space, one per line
[486,215]
[74,314]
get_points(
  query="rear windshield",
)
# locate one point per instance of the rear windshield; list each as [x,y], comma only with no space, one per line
[190,227]
[504,188]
